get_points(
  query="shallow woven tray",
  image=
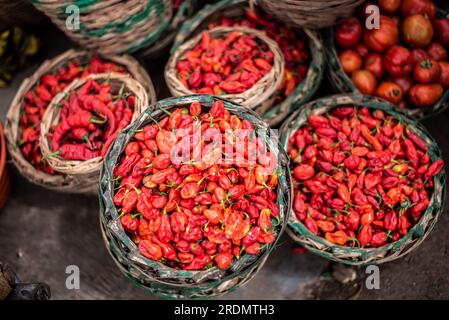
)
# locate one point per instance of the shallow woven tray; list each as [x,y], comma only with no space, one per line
[62,183]
[160,279]
[236,9]
[391,251]
[86,173]
[259,97]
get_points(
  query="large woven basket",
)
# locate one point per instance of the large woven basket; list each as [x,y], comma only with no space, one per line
[236,9]
[160,279]
[259,97]
[343,83]
[312,14]
[112,26]
[86,173]
[61,183]
[391,251]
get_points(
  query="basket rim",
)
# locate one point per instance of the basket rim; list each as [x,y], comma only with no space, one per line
[434,153]
[110,161]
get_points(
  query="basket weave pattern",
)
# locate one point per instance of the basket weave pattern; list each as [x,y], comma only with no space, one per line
[391,251]
[160,279]
[259,97]
[62,183]
[312,14]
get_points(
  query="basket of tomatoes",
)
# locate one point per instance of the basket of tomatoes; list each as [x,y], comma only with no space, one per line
[301,49]
[404,61]
[369,182]
[24,117]
[185,211]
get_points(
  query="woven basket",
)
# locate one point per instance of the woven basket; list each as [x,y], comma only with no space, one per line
[312,14]
[112,26]
[343,83]
[391,251]
[236,9]
[259,97]
[12,130]
[162,46]
[160,279]
[86,173]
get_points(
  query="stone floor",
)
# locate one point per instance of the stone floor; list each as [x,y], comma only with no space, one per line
[42,232]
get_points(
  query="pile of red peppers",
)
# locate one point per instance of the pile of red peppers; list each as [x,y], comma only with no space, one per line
[227,64]
[361,177]
[196,214]
[90,119]
[38,98]
[294,49]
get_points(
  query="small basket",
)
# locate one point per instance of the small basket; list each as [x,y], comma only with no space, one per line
[85,173]
[160,279]
[391,251]
[259,97]
[112,26]
[341,82]
[312,14]
[62,183]
[236,9]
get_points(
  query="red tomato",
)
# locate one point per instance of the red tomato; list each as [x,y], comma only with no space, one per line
[442,30]
[398,61]
[389,6]
[437,52]
[444,76]
[427,71]
[412,7]
[419,55]
[417,31]
[425,95]
[350,61]
[348,32]
[364,81]
[374,64]
[389,91]
[381,39]
[404,82]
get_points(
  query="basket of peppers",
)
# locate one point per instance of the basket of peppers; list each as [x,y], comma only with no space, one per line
[183,218]
[238,63]
[369,182]
[405,61]
[301,49]
[24,117]
[82,121]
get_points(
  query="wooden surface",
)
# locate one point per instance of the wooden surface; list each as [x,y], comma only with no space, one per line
[42,232]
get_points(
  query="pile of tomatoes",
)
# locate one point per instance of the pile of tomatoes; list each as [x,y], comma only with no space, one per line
[196,212]
[39,97]
[227,64]
[405,60]
[293,47]
[361,177]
